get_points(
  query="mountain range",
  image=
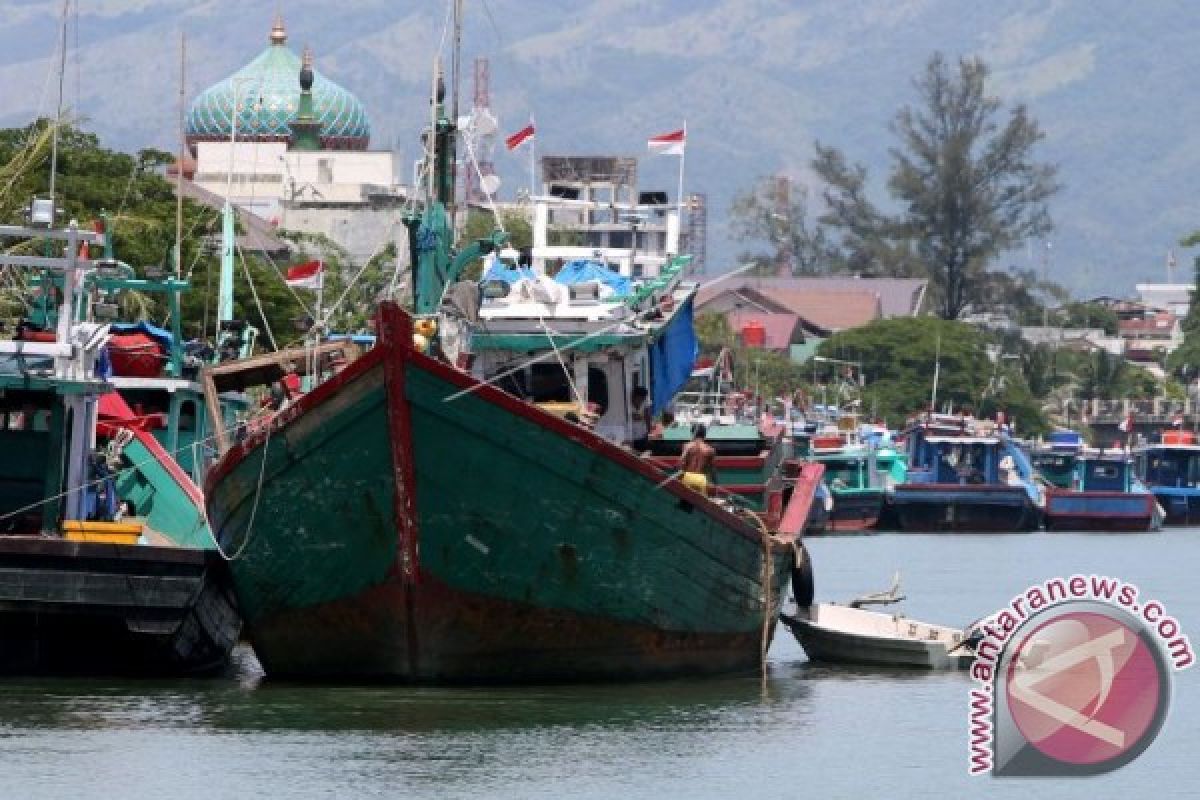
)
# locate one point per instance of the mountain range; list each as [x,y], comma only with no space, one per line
[757,81]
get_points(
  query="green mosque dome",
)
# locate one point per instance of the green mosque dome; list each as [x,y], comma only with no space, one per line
[268,94]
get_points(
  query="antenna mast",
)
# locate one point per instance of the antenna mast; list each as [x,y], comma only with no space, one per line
[62,69]
[179,158]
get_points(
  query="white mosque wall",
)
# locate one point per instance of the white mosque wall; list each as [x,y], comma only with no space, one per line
[361,231]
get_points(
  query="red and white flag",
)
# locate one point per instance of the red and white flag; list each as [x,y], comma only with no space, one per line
[309,275]
[668,144]
[520,137]
[1126,425]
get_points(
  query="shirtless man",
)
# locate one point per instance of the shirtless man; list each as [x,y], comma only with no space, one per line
[698,462]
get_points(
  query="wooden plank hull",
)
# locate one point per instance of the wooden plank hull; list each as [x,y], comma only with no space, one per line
[90,608]
[856,510]
[1099,511]
[387,529]
[950,507]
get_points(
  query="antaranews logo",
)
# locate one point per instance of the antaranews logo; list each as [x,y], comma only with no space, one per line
[1074,678]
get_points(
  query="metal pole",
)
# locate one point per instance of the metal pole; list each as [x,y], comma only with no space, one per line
[179,158]
[62,68]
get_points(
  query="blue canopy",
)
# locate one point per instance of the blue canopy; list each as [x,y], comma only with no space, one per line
[672,356]
[498,272]
[583,270]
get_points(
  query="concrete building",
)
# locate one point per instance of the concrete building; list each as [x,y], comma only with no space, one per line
[591,207]
[1173,297]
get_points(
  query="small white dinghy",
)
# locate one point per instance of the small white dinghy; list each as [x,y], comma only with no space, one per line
[849,634]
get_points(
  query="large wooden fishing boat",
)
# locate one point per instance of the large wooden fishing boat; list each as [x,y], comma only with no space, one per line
[432,513]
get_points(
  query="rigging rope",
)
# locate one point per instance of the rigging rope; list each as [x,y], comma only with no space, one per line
[257,302]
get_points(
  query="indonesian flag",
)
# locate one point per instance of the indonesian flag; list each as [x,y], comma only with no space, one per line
[309,275]
[520,137]
[668,144]
[1126,424]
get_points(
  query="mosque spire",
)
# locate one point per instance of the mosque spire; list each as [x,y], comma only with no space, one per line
[306,131]
[278,32]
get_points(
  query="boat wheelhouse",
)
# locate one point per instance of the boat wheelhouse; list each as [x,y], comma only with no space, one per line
[1054,459]
[1103,494]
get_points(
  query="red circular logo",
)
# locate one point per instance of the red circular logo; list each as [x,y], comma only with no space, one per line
[1084,688]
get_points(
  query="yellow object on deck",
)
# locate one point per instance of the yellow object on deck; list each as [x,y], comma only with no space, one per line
[81,530]
[560,409]
[697,481]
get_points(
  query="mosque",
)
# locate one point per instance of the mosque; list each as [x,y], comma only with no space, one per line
[291,147]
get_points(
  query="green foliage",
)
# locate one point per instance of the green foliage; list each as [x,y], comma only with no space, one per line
[967,187]
[714,333]
[1184,361]
[1100,376]
[1089,315]
[768,373]
[281,307]
[480,225]
[92,180]
[898,358]
[774,213]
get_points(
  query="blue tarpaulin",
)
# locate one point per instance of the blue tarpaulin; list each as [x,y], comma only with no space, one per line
[584,270]
[672,356]
[498,272]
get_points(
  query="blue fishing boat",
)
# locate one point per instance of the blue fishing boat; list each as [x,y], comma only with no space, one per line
[965,475]
[1104,494]
[1171,469]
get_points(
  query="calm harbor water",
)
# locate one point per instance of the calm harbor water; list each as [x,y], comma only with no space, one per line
[809,733]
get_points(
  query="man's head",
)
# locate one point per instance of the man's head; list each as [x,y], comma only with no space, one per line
[639,395]
[698,432]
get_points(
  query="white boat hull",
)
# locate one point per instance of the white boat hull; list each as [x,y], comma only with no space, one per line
[836,634]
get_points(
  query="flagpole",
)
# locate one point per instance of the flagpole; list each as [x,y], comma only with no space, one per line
[682,156]
[532,160]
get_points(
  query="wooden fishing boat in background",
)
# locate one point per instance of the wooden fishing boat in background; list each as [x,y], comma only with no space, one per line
[858,473]
[1171,470]
[1104,494]
[106,560]
[965,476]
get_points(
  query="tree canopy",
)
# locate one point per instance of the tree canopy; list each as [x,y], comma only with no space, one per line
[965,181]
[900,356]
[774,214]
[139,202]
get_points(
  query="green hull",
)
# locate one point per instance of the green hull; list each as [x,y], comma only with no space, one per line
[394,533]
